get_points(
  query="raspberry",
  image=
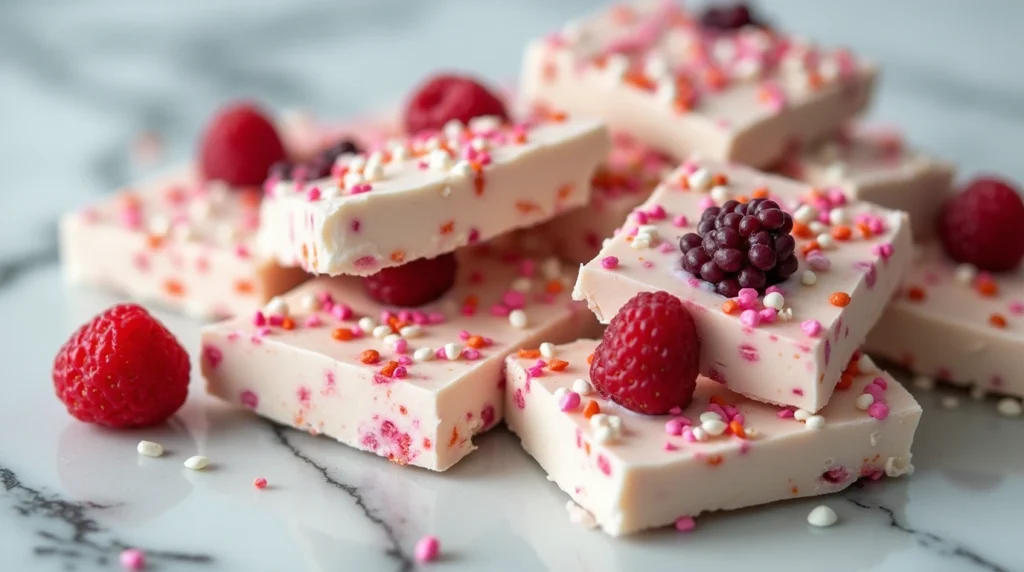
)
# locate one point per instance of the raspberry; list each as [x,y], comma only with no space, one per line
[413,284]
[729,18]
[122,369]
[649,357]
[239,146]
[446,97]
[741,246]
[984,225]
[318,167]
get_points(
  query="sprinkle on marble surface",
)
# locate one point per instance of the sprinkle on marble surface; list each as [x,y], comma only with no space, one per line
[133,559]
[150,449]
[259,483]
[1009,407]
[427,549]
[923,382]
[822,516]
[197,462]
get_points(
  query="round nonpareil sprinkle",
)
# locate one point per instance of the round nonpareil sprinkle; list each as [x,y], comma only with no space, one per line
[197,462]
[811,327]
[864,401]
[427,549]
[260,483]
[547,349]
[839,299]
[774,300]
[822,516]
[685,524]
[423,354]
[815,422]
[517,318]
[582,386]
[1009,407]
[150,449]
[808,278]
[133,559]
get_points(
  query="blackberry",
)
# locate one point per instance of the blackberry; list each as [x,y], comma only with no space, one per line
[730,18]
[741,246]
[319,166]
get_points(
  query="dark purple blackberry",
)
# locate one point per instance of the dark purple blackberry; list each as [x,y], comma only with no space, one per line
[741,246]
[319,166]
[730,17]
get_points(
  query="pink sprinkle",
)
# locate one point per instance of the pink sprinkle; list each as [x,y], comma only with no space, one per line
[570,401]
[313,194]
[439,353]
[688,435]
[314,321]
[535,371]
[750,318]
[876,226]
[874,391]
[716,408]
[464,335]
[471,354]
[837,196]
[731,411]
[674,426]
[1016,307]
[689,168]
[706,203]
[883,250]
[878,410]
[784,414]
[260,483]
[657,212]
[774,290]
[474,236]
[259,319]
[769,315]
[685,524]
[133,559]
[405,360]
[514,299]
[401,345]
[739,418]
[262,332]
[609,263]
[818,261]
[880,382]
[341,311]
[275,320]
[400,371]
[811,327]
[357,332]
[680,221]
[436,318]
[670,446]
[427,549]
[676,410]
[527,268]
[641,217]
[500,310]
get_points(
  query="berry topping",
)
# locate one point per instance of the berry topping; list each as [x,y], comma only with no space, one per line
[984,225]
[318,167]
[239,146]
[741,246]
[447,97]
[122,369]
[414,283]
[730,17]
[649,356]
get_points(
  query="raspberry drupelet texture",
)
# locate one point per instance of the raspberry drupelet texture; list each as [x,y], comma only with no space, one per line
[984,225]
[730,17]
[122,369]
[239,146]
[649,357]
[740,246]
[446,97]
[318,167]
[413,284]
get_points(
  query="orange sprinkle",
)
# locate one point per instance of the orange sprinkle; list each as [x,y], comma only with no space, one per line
[554,287]
[865,230]
[252,197]
[743,199]
[841,232]
[915,293]
[987,287]
[801,230]
[403,410]
[564,191]
[590,359]
[369,356]
[808,247]
[814,80]
[839,299]
[997,320]
[526,207]
[558,116]
[427,444]
[342,334]
[730,306]
[586,447]
[794,490]
[529,354]
[448,227]
[476,342]
[471,300]
[845,381]
[715,460]
[719,179]
[591,409]
[557,364]
[638,80]
[737,429]
[760,193]
[288,324]
[479,182]
[718,400]
[389,368]
[455,437]
[154,241]
[398,256]
[174,287]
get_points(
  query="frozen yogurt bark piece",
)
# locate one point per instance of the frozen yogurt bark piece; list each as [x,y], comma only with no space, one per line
[632,472]
[431,193]
[790,342]
[622,183]
[656,71]
[951,323]
[412,385]
[876,166]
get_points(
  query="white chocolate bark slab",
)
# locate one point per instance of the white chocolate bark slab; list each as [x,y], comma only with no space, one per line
[876,166]
[952,324]
[648,69]
[784,362]
[310,379]
[651,472]
[430,194]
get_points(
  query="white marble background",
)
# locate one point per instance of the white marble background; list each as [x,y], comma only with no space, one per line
[81,79]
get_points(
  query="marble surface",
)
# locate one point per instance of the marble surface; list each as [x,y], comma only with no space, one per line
[79,82]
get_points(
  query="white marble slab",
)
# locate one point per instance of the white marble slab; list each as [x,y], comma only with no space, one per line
[79,80]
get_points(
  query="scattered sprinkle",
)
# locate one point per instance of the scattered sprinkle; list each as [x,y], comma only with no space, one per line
[150,449]
[924,382]
[582,386]
[950,402]
[427,549]
[822,516]
[839,299]
[197,462]
[517,318]
[260,483]
[133,559]
[547,349]
[685,524]
[808,278]
[1009,407]
[815,422]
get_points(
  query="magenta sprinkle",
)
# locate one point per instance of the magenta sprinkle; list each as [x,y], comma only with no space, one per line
[133,559]
[878,410]
[427,549]
[259,319]
[609,262]
[880,382]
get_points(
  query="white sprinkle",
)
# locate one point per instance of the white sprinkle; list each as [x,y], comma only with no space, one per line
[199,210]
[648,230]
[699,180]
[453,128]
[786,314]
[380,331]
[713,427]
[560,394]
[965,274]
[599,420]
[655,67]
[423,354]
[276,307]
[835,172]
[411,331]
[480,144]
[864,401]
[822,516]
[815,422]
[640,242]
[808,278]
[391,341]
[838,216]
[452,351]
[462,169]
[227,233]
[950,402]
[924,382]
[547,349]
[484,124]
[197,463]
[373,172]
[579,515]
[615,422]
[356,163]
[825,241]
[604,434]
[150,449]
[518,319]
[774,300]
[616,66]
[875,438]
[159,225]
[805,214]
[866,365]
[710,416]
[897,466]
[366,324]
[978,393]
[1009,407]
[802,415]
[522,284]
[699,434]
[439,160]
[310,303]
[666,91]
[351,179]
[582,386]
[719,194]
[817,227]
[551,269]
[399,152]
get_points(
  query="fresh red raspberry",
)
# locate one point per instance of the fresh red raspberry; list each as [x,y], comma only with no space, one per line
[239,146]
[984,225]
[446,97]
[649,357]
[414,283]
[122,369]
